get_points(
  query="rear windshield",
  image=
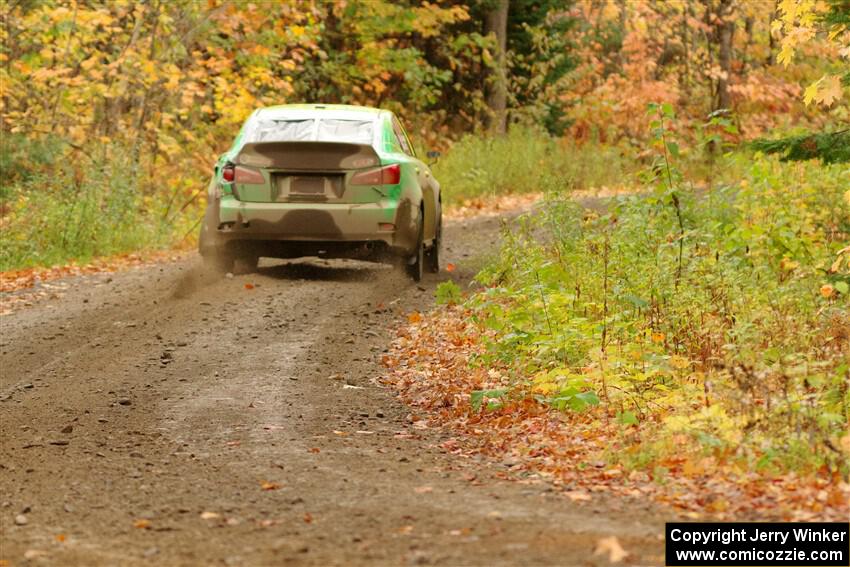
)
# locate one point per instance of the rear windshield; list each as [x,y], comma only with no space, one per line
[312,130]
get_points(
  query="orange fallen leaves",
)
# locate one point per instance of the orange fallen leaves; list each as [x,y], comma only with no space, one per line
[578,496]
[450,267]
[249,286]
[429,365]
[266,485]
[610,547]
[492,205]
[142,524]
[22,279]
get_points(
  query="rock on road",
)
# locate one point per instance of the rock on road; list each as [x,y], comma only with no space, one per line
[158,417]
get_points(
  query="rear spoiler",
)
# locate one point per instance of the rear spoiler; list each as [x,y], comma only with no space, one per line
[308,155]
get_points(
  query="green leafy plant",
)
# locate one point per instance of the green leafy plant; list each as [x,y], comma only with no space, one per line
[448,293]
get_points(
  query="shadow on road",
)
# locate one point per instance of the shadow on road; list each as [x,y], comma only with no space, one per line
[325,270]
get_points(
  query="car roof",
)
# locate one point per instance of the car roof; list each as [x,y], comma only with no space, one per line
[303,111]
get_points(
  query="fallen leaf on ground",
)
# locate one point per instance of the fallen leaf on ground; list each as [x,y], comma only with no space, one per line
[578,496]
[308,518]
[611,546]
[270,485]
[492,205]
[249,286]
[450,267]
[142,524]
[209,515]
[29,277]
[429,364]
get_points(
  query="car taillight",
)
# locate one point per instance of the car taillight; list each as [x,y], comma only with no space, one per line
[248,176]
[228,173]
[389,175]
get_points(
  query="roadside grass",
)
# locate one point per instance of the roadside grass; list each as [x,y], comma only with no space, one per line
[58,209]
[682,335]
[527,160]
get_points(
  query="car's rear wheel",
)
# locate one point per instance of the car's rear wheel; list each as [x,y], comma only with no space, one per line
[432,256]
[415,263]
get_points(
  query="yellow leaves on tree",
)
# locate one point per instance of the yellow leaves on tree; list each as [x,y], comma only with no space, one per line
[825,91]
[81,71]
[799,22]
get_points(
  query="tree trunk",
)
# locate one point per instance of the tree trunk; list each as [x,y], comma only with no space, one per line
[725,32]
[496,22]
[771,40]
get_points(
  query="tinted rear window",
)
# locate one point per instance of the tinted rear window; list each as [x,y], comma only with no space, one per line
[313,130]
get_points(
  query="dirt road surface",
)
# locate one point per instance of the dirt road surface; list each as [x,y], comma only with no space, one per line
[162,417]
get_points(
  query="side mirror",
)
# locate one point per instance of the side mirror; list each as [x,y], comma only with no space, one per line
[433,156]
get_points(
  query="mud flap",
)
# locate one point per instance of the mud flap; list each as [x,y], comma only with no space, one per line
[407,226]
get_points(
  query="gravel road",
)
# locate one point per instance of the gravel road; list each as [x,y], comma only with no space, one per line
[163,417]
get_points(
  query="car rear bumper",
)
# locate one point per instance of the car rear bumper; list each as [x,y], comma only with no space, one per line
[390,222]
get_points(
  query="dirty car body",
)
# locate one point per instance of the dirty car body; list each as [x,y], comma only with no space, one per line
[322,180]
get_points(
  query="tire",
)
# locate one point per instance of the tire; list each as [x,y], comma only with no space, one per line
[432,256]
[219,262]
[416,262]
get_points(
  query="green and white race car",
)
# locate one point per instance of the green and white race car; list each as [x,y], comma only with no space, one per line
[322,180]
